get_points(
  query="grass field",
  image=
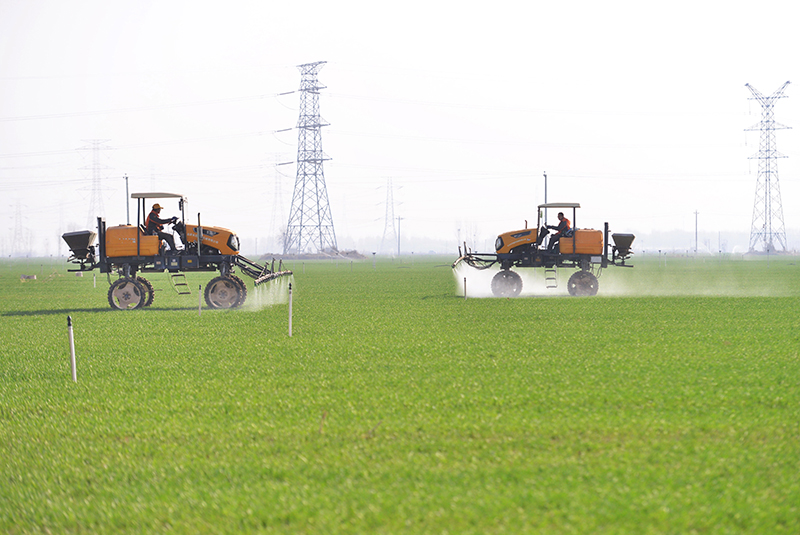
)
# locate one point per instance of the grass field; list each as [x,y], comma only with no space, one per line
[669,403]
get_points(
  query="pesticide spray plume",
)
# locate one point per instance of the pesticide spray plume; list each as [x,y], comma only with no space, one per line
[479,282]
[673,277]
[275,292]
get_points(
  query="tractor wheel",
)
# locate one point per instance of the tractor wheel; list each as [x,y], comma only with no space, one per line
[126,294]
[242,288]
[582,283]
[506,283]
[223,292]
[149,291]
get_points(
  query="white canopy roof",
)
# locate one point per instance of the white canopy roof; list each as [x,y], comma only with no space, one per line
[560,205]
[157,195]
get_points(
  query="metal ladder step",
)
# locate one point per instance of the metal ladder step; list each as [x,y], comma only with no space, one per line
[179,284]
[550,278]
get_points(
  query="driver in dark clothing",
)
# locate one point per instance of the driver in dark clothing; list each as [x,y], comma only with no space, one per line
[155,226]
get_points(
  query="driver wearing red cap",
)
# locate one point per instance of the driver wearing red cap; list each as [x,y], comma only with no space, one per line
[155,226]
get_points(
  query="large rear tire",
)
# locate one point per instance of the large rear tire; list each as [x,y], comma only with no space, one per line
[242,289]
[148,289]
[224,292]
[506,283]
[582,284]
[126,294]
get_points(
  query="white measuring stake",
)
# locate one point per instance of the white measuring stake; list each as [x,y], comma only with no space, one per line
[199,299]
[94,280]
[465,287]
[72,350]
[290,309]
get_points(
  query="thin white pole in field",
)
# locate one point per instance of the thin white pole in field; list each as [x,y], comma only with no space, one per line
[72,350]
[290,309]
[199,299]
[94,280]
[465,287]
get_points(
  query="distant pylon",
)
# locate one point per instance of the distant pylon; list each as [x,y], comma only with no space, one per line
[310,226]
[18,237]
[96,203]
[767,226]
[389,224]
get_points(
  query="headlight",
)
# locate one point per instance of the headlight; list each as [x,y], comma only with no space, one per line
[233,242]
[498,243]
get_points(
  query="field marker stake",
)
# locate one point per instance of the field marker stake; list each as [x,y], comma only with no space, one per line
[372,431]
[72,350]
[199,299]
[465,287]
[94,280]
[290,309]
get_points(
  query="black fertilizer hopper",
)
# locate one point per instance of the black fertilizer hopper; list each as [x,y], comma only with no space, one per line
[80,243]
[622,244]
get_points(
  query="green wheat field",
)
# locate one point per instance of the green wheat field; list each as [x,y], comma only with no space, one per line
[669,403]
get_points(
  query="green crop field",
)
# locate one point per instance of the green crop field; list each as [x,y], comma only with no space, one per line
[669,403]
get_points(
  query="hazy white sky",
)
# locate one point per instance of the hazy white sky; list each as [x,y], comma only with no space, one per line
[637,110]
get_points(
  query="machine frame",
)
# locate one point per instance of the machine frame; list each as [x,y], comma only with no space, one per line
[525,248]
[216,250]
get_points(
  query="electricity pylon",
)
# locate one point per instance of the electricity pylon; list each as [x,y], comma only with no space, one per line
[96,202]
[388,226]
[310,227]
[767,226]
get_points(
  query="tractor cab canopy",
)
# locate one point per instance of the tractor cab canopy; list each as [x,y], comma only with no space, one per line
[560,206]
[142,201]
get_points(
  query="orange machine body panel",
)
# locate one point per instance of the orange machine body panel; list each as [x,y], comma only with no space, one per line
[221,239]
[584,241]
[121,241]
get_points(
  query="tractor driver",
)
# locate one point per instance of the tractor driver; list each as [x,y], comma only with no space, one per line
[155,226]
[562,230]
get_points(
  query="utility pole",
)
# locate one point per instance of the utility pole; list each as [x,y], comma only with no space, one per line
[127,200]
[545,198]
[398,235]
[278,215]
[767,224]
[310,227]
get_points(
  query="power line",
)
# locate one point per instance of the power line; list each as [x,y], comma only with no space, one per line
[133,109]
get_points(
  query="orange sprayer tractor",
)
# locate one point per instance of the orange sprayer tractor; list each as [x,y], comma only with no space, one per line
[586,250]
[129,250]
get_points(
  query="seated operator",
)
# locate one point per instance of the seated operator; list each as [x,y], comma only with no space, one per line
[562,230]
[155,226]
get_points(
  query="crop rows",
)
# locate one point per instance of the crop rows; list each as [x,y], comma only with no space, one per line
[671,404]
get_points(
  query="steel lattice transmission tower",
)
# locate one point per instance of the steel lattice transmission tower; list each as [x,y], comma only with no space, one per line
[96,202]
[389,228]
[310,227]
[767,231]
